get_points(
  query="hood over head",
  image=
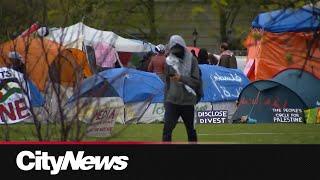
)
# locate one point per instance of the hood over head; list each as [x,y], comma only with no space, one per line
[176,39]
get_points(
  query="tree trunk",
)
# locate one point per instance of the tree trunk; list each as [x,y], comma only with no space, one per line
[152,21]
[223,25]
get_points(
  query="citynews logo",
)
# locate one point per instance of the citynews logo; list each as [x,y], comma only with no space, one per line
[42,161]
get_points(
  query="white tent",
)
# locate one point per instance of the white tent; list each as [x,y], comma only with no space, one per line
[74,35]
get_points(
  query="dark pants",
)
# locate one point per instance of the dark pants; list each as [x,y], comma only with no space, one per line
[171,116]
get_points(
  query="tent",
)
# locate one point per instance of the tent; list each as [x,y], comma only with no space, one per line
[130,84]
[143,92]
[106,44]
[42,56]
[93,96]
[70,37]
[260,99]
[306,85]
[222,84]
[135,57]
[280,40]
[221,87]
[137,89]
[95,86]
[290,90]
[289,20]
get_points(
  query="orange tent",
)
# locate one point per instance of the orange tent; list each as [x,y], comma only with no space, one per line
[275,52]
[43,58]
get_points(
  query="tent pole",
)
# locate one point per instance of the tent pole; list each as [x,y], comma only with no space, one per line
[254,105]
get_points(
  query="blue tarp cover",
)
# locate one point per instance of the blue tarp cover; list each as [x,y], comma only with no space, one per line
[289,20]
[222,84]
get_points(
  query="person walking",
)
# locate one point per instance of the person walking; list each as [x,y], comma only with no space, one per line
[227,58]
[181,90]
[158,61]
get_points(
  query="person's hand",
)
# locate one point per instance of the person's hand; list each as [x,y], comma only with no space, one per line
[176,77]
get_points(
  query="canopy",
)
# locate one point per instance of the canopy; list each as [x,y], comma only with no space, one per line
[74,35]
[289,20]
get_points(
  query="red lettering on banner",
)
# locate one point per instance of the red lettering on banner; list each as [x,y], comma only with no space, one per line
[21,109]
[14,110]
[10,113]
[275,103]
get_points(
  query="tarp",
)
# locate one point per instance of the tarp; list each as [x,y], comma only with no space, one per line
[289,20]
[275,52]
[69,36]
[222,84]
[40,55]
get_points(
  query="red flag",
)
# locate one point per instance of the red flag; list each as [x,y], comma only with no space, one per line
[34,27]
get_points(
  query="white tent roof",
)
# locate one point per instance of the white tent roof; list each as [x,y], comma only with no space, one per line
[74,35]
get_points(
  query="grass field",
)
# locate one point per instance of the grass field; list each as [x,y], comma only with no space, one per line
[218,134]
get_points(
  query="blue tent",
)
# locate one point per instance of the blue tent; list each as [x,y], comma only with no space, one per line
[222,84]
[130,84]
[219,84]
[36,98]
[303,83]
[289,20]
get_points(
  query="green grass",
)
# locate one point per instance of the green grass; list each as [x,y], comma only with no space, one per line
[220,134]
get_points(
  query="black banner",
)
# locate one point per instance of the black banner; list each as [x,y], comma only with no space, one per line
[159,161]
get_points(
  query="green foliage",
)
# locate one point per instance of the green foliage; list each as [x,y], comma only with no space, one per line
[197,10]
[124,17]
[135,17]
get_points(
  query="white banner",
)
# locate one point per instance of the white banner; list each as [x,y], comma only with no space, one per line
[99,113]
[155,111]
[14,104]
[103,121]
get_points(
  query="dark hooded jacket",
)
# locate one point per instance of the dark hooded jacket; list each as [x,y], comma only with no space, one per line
[175,92]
